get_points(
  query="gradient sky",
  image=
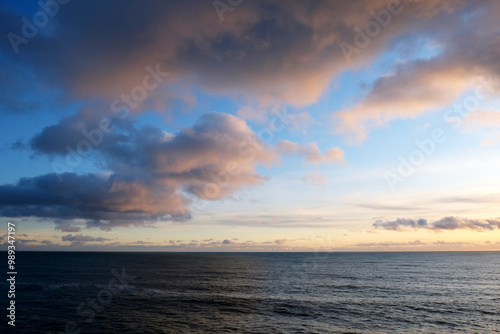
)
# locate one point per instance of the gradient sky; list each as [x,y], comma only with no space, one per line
[251,125]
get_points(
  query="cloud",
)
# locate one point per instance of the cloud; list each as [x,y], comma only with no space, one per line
[397,224]
[482,199]
[280,117]
[66,226]
[233,243]
[22,240]
[454,223]
[444,224]
[455,243]
[152,175]
[311,152]
[390,244]
[252,113]
[411,90]
[430,83]
[80,239]
[140,242]
[83,242]
[263,50]
[19,145]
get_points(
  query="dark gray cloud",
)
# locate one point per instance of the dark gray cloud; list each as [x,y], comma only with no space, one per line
[153,175]
[446,223]
[22,240]
[401,223]
[70,131]
[81,240]
[66,226]
[262,50]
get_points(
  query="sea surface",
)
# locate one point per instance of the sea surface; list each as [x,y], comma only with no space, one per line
[70,292]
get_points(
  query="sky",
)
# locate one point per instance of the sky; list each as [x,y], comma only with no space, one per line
[234,125]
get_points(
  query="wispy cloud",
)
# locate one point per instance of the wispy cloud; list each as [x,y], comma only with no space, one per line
[311,152]
[390,244]
[80,239]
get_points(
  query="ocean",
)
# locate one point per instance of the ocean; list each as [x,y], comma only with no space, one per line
[73,292]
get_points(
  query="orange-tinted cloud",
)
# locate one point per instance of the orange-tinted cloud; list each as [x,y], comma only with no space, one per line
[152,175]
[311,152]
[467,52]
[263,51]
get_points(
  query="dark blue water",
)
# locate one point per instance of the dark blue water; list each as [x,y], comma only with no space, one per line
[257,293]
